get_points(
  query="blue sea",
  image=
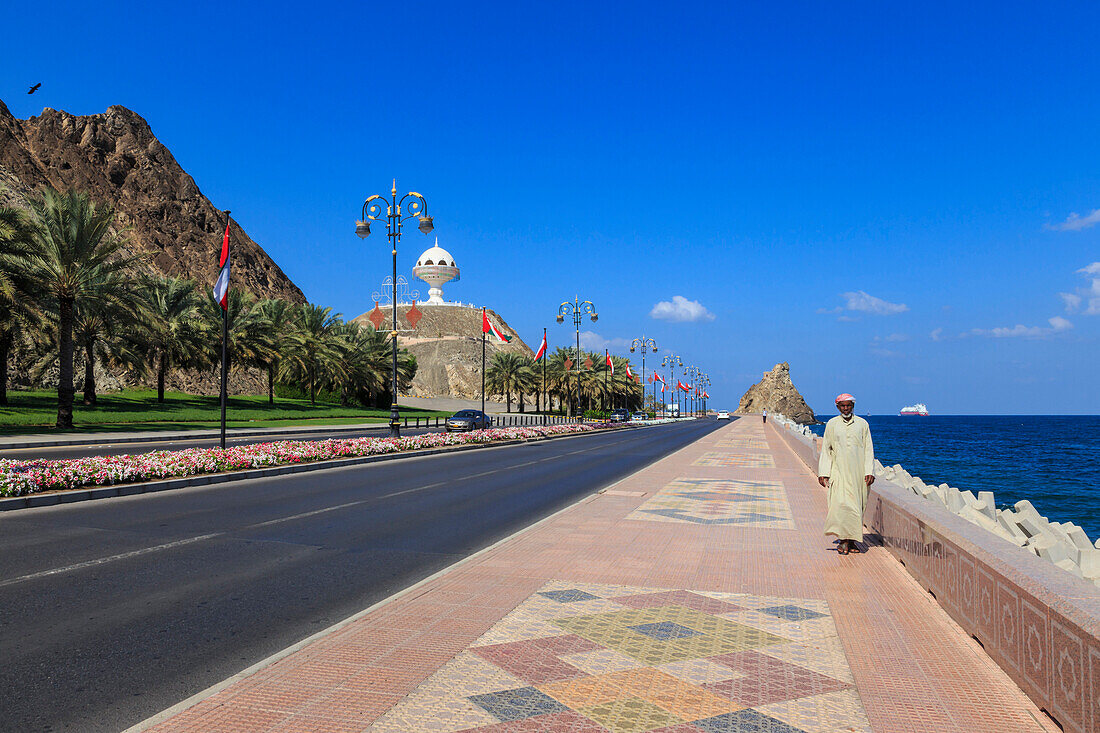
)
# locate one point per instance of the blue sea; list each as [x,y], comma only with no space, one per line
[1053,461]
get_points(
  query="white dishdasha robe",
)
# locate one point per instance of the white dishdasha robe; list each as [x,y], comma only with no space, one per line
[847,455]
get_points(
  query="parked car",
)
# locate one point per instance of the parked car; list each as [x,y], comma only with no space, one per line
[639,416]
[723,415]
[619,416]
[468,420]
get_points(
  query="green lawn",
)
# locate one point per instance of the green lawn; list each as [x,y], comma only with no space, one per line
[137,410]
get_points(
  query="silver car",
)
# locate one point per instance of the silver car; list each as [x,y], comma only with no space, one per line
[468,420]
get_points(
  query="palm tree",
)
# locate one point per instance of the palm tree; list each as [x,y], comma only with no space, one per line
[559,380]
[248,342]
[278,320]
[74,248]
[314,354]
[17,311]
[527,383]
[505,375]
[363,363]
[99,322]
[171,333]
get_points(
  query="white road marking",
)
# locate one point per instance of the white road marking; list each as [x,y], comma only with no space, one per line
[111,558]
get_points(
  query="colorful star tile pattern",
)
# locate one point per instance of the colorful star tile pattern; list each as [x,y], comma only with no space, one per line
[589,658]
[744,460]
[743,443]
[761,504]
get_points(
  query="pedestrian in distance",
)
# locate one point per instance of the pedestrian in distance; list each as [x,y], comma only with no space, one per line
[765,414]
[846,469]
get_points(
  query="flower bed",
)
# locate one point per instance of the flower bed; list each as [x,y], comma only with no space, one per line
[19,478]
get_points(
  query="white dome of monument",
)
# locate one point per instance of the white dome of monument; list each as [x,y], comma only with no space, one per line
[435,267]
[436,255]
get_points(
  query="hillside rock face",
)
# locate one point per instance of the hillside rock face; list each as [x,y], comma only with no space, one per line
[447,347]
[116,159]
[776,393]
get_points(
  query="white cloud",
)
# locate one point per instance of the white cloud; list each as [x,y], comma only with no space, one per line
[895,337]
[1088,296]
[884,353]
[1075,223]
[681,310]
[1057,325]
[936,335]
[1072,301]
[861,302]
[592,341]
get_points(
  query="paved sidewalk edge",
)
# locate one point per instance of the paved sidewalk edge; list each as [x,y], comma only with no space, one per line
[213,689]
[282,654]
[31,501]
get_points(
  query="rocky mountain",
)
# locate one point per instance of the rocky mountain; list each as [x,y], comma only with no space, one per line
[776,393]
[447,345]
[116,159]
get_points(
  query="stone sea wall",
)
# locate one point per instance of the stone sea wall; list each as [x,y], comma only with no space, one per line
[1001,577]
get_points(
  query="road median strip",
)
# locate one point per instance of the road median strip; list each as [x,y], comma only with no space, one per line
[33,483]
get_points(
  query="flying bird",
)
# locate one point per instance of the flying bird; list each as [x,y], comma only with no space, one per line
[34,88]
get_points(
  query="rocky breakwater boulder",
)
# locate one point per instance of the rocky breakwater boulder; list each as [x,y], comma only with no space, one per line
[776,393]
[446,342]
[1063,544]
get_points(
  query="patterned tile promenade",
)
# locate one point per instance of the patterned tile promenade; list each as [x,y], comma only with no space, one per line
[696,596]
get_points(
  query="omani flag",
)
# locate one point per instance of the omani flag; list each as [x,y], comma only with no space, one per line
[487,327]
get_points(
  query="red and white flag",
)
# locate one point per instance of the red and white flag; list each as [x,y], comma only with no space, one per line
[629,374]
[221,285]
[610,366]
[658,378]
[681,385]
[542,349]
[663,386]
[487,327]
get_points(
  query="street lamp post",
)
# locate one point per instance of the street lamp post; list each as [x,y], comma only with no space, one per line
[372,211]
[578,309]
[706,390]
[643,343]
[672,361]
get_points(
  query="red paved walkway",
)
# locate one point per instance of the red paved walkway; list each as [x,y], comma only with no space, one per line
[696,595]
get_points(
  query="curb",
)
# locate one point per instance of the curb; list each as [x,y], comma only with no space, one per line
[31,501]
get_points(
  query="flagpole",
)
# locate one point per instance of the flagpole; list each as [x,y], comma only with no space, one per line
[545,396]
[483,363]
[605,394]
[225,348]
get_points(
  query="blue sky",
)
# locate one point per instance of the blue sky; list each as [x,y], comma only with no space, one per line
[881,196]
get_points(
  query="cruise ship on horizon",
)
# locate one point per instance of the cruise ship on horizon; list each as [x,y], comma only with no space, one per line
[917,409]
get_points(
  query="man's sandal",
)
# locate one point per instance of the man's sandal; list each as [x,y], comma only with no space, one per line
[842,548]
[854,547]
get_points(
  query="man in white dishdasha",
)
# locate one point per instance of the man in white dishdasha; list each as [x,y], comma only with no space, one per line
[846,469]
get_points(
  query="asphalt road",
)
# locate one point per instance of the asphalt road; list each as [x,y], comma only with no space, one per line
[113,610]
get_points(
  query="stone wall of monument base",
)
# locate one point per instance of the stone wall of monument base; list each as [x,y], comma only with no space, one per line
[1039,623]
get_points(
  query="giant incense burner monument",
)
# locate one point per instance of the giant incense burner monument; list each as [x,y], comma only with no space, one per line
[444,336]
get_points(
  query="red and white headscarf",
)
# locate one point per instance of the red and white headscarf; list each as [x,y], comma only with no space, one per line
[845,398]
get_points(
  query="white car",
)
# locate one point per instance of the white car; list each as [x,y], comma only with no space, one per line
[723,415]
